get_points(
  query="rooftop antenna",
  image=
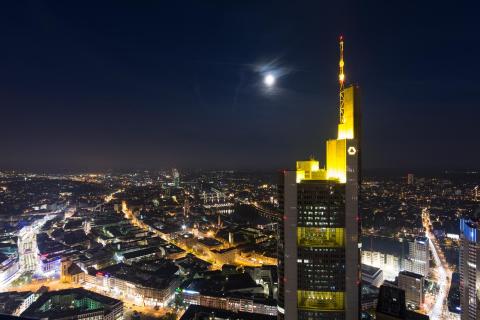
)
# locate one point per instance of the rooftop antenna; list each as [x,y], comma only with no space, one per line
[341,80]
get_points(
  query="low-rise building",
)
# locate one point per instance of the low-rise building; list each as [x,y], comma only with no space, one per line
[9,266]
[75,304]
[196,312]
[150,283]
[372,275]
[142,254]
[224,256]
[15,303]
[236,292]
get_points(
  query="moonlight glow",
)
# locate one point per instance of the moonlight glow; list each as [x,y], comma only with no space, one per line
[269,80]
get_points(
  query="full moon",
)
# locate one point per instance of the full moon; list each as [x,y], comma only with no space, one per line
[269,80]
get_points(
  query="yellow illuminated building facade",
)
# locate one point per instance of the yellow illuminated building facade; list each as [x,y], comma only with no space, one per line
[336,149]
[319,252]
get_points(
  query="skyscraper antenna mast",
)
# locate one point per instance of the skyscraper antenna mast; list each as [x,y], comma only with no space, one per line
[341,80]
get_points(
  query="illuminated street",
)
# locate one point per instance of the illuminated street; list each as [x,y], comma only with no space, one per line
[239,260]
[111,196]
[442,272]
[37,284]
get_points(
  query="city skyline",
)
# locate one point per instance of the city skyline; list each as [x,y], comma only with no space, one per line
[128,86]
[252,160]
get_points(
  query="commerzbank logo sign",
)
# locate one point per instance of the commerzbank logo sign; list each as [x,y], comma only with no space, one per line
[351,150]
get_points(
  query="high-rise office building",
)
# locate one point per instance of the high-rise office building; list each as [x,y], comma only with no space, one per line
[410,178]
[391,305]
[469,273]
[418,256]
[412,284]
[176,178]
[318,250]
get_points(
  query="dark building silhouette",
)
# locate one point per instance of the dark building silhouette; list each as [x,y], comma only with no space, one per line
[391,306]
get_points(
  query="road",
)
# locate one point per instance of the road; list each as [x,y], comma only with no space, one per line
[52,284]
[111,196]
[206,256]
[444,273]
[139,223]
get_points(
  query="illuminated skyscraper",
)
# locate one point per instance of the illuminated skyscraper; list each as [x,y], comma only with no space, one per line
[412,284]
[176,178]
[469,272]
[410,178]
[319,247]
[419,256]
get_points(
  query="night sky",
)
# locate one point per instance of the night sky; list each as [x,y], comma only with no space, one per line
[134,84]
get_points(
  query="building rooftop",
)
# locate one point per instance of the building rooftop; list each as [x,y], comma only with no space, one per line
[411,274]
[385,245]
[69,302]
[195,312]
[216,283]
[369,270]
[74,269]
[10,301]
[209,242]
[421,239]
[470,230]
[140,253]
[156,274]
[391,302]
